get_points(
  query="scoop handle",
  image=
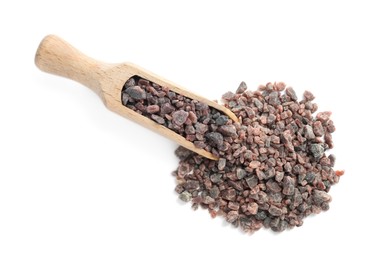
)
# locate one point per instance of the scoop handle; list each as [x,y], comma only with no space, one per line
[56,56]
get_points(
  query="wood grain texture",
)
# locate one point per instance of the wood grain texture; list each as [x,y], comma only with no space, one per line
[58,57]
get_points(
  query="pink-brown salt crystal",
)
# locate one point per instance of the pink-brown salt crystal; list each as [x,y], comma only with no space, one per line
[256,131]
[330,126]
[213,213]
[192,116]
[229,194]
[179,104]
[188,122]
[263,119]
[228,96]
[190,138]
[232,216]
[233,205]
[250,130]
[263,150]
[294,107]
[167,108]
[291,93]
[208,184]
[254,164]
[325,161]
[221,164]
[179,117]
[289,147]
[320,185]
[241,88]
[228,130]
[328,140]
[200,144]
[241,135]
[275,211]
[239,151]
[158,119]
[269,86]
[314,107]
[300,159]
[318,129]
[152,109]
[200,128]
[136,92]
[279,86]
[184,169]
[275,139]
[252,208]
[323,116]
[249,111]
[208,200]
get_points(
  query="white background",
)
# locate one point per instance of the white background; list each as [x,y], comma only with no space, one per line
[79,182]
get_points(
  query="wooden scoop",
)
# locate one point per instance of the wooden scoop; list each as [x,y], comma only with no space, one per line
[56,56]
